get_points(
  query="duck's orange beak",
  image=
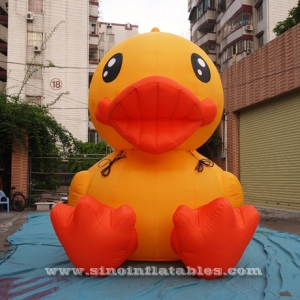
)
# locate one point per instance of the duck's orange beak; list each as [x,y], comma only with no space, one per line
[156,114]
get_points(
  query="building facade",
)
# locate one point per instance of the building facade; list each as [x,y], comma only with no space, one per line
[47,59]
[229,30]
[262,125]
[107,36]
[3,42]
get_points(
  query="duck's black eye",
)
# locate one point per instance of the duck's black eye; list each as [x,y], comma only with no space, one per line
[112,68]
[200,68]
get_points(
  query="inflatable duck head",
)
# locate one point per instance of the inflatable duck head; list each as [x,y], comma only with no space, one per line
[156,92]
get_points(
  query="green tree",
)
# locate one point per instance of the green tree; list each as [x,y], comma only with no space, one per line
[292,20]
[212,146]
[20,120]
[35,129]
[85,155]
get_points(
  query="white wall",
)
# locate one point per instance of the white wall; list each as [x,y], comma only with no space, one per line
[67,48]
[118,30]
[278,11]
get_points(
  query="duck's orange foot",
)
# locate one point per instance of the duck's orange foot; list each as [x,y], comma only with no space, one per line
[212,238]
[95,235]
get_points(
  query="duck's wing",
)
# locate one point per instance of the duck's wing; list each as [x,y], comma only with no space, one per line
[79,187]
[233,189]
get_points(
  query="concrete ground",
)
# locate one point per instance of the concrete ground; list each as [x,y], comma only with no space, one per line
[272,218]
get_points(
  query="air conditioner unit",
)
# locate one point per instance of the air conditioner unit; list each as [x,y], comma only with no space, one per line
[37,49]
[249,27]
[108,24]
[29,16]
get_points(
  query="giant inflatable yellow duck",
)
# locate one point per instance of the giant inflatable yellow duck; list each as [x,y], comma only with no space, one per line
[155,98]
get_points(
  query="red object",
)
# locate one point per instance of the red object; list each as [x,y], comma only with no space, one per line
[213,238]
[95,235]
[156,114]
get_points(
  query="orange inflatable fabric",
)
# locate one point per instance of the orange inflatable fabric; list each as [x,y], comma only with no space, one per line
[155,98]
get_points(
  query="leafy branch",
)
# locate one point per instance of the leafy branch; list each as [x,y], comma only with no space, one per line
[292,20]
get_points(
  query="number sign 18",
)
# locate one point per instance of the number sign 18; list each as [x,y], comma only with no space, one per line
[56,84]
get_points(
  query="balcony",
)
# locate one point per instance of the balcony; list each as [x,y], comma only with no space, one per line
[209,38]
[94,39]
[223,44]
[206,22]
[213,57]
[94,9]
[234,35]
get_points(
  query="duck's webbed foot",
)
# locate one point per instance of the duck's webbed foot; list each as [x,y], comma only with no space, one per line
[212,238]
[95,235]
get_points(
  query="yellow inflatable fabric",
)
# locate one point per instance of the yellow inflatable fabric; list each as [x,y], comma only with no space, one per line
[155,98]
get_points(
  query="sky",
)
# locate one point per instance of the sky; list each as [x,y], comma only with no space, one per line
[168,15]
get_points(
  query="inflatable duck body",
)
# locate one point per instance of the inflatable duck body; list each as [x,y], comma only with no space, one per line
[155,98]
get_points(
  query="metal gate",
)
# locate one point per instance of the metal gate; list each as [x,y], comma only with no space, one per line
[269,152]
[50,177]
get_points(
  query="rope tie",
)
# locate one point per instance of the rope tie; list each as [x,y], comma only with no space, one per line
[106,171]
[202,162]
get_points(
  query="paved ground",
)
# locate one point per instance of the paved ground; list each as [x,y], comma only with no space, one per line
[277,219]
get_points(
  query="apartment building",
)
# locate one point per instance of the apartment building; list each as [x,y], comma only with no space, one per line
[229,30]
[3,42]
[44,54]
[106,36]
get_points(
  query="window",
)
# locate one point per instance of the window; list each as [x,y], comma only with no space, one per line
[234,48]
[240,20]
[260,41]
[200,10]
[208,4]
[240,46]
[35,6]
[211,3]
[93,54]
[35,39]
[93,28]
[94,137]
[259,10]
[249,45]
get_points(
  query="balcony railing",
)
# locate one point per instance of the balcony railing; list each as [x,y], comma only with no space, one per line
[213,57]
[94,40]
[206,22]
[235,35]
[94,9]
[210,36]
